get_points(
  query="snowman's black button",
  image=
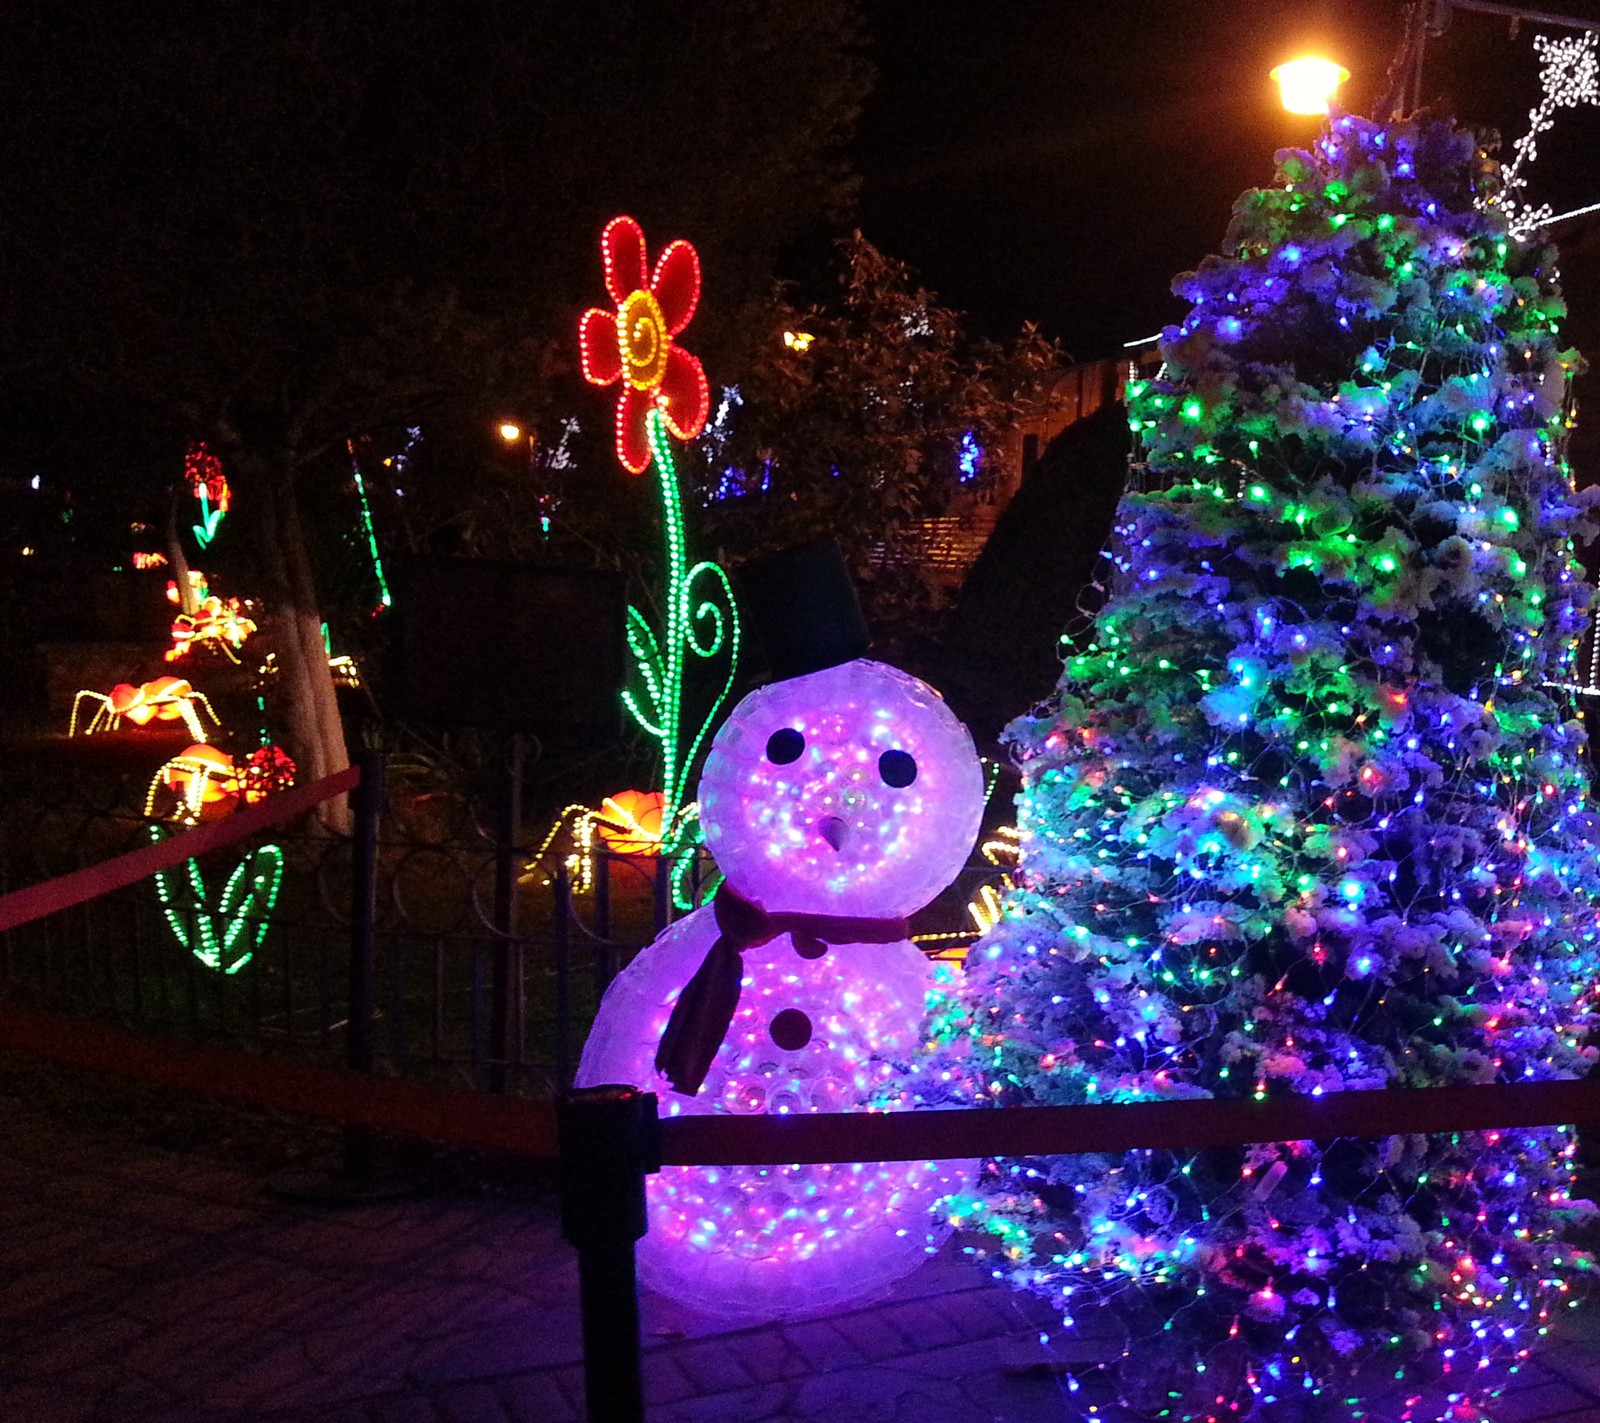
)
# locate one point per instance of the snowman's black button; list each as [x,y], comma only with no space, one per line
[791,1030]
[807,946]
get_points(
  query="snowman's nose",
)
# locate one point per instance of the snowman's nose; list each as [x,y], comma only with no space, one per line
[832,829]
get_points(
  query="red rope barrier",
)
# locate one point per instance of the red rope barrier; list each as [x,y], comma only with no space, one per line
[411,1109]
[1120,1126]
[496,1123]
[38,900]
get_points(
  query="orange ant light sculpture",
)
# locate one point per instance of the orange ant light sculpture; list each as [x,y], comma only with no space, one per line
[205,781]
[209,783]
[165,699]
[223,624]
[629,822]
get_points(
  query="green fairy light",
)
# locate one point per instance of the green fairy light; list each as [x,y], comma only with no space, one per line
[206,529]
[701,626]
[384,598]
[244,909]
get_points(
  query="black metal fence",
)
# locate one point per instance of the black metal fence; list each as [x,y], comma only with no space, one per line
[485,971]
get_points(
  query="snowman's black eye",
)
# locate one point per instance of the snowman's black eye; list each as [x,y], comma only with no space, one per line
[784,746]
[897,768]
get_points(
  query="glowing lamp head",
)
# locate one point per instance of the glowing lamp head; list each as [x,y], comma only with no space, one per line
[1308,84]
[850,791]
[510,431]
[798,340]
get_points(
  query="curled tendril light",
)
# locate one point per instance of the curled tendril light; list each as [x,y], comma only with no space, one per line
[705,629]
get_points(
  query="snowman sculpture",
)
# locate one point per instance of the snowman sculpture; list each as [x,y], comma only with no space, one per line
[836,804]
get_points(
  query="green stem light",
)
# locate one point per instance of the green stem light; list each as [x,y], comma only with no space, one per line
[693,628]
[384,599]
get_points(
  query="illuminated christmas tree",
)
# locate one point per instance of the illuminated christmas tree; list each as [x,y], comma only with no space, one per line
[1307,816]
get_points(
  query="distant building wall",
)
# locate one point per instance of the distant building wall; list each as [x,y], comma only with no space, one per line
[948,546]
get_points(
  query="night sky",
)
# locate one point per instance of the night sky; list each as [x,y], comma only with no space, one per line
[1056,162]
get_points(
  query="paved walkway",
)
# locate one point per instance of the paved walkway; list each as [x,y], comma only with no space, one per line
[139,1285]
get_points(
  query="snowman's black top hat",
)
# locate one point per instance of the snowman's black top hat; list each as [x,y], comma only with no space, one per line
[802,606]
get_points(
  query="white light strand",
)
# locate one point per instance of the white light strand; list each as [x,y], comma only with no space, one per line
[1569,75]
[1543,217]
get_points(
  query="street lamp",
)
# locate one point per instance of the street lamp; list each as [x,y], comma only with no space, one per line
[510,432]
[1309,83]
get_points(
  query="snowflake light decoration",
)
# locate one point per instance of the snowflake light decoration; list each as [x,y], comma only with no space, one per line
[1569,75]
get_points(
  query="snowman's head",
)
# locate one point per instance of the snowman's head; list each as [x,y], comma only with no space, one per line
[851,791]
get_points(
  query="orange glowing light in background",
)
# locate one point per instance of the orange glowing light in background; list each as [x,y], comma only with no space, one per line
[1308,84]
[629,822]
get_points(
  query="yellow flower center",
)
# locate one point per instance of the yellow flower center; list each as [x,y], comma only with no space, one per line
[642,335]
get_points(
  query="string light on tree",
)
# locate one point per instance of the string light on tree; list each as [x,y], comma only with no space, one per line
[1304,816]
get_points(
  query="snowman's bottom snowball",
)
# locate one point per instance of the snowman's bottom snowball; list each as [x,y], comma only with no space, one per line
[757,1243]
[754,1243]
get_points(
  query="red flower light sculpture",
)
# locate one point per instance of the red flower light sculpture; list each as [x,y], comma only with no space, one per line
[634,343]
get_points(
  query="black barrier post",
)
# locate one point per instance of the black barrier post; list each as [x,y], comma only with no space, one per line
[662,886]
[609,1143]
[562,914]
[505,996]
[605,964]
[368,807]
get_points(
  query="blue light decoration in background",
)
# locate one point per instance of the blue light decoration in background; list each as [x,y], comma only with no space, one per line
[1306,814]
[969,457]
[737,483]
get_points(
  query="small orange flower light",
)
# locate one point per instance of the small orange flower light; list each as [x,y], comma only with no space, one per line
[634,343]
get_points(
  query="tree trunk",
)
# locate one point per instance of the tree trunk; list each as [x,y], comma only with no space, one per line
[315,731]
[179,564]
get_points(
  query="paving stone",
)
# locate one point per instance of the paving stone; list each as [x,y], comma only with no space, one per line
[870,1336]
[870,1395]
[713,1366]
[151,1288]
[766,1355]
[1578,1364]
[664,1381]
[823,1348]
[537,1398]
[400,1408]
[752,1405]
[1545,1400]
[491,1350]
[923,1325]
[469,1403]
